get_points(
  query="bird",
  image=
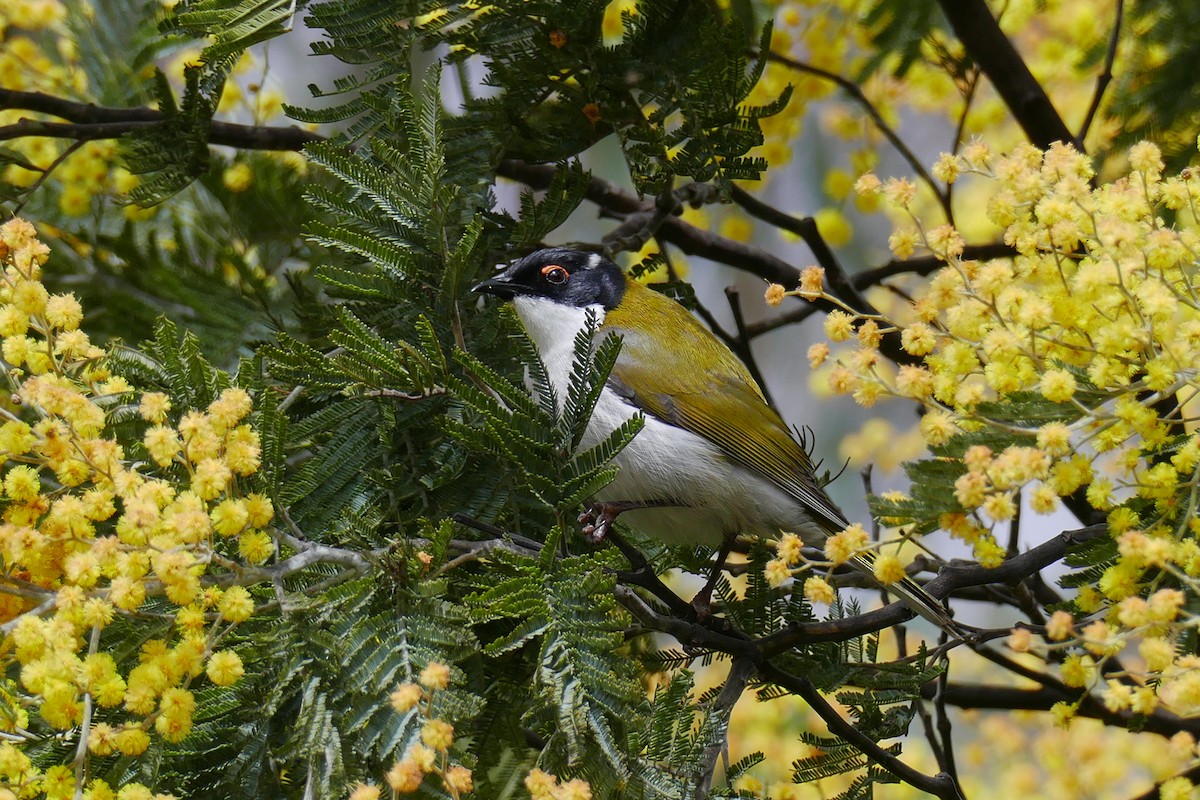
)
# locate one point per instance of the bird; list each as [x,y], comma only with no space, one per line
[713,459]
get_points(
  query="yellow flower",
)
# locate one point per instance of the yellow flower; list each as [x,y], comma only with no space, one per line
[259,508]
[64,312]
[841,547]
[225,668]
[255,546]
[1057,385]
[230,517]
[459,779]
[437,734]
[406,696]
[888,569]
[774,294]
[818,590]
[1078,670]
[154,407]
[839,326]
[405,777]
[834,227]
[236,604]
[777,572]
[435,676]
[211,478]
[364,791]
[238,177]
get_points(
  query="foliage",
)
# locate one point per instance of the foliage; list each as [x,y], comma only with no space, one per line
[316,535]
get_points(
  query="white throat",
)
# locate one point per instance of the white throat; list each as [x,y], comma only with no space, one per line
[552,327]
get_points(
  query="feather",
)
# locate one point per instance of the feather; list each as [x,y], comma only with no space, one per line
[721,402]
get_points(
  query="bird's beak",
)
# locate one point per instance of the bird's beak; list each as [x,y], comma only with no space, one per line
[500,286]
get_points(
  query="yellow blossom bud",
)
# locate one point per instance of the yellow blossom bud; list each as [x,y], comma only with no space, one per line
[458,779]
[1078,670]
[437,734]
[774,294]
[211,478]
[839,326]
[236,604]
[812,279]
[225,668]
[64,312]
[777,572]
[406,696]
[1177,788]
[818,590]
[364,791]
[841,547]
[1157,652]
[888,569]
[1060,626]
[230,517]
[260,510]
[435,676]
[1020,640]
[405,777]
[255,546]
[154,407]
[22,484]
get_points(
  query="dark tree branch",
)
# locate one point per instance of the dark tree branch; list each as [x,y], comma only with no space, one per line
[922,265]
[835,275]
[1043,698]
[950,577]
[941,785]
[740,673]
[851,88]
[1105,77]
[986,43]
[86,121]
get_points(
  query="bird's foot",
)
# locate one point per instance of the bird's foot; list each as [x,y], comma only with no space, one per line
[598,520]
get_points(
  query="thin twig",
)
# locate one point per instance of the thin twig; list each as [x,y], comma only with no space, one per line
[987,45]
[740,673]
[856,93]
[941,785]
[1105,77]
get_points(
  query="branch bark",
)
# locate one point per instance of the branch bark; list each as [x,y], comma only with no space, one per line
[980,34]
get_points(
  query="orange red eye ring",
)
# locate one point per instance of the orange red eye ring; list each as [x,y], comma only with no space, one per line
[555,274]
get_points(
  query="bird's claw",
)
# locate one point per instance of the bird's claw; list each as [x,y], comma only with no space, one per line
[596,521]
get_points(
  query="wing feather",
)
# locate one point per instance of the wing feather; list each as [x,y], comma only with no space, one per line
[721,403]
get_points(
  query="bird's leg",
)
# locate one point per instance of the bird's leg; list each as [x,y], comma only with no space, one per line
[598,519]
[702,602]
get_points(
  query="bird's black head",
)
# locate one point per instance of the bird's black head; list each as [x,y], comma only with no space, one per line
[570,277]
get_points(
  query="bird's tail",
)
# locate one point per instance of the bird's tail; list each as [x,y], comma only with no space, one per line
[910,593]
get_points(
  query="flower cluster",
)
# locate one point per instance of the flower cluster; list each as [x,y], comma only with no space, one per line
[544,786]
[430,756]
[849,545]
[88,532]
[1070,369]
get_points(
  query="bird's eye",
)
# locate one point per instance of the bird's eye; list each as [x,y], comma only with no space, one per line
[555,274]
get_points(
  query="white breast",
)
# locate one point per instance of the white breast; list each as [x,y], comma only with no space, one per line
[711,496]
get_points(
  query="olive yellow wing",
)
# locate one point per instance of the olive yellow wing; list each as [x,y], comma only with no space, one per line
[702,387]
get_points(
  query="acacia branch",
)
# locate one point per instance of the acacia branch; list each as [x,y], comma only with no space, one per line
[87,121]
[1043,698]
[856,93]
[921,265]
[995,54]
[941,785]
[1106,76]
[949,579]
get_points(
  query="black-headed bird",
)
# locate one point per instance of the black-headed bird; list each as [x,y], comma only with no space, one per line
[713,458]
